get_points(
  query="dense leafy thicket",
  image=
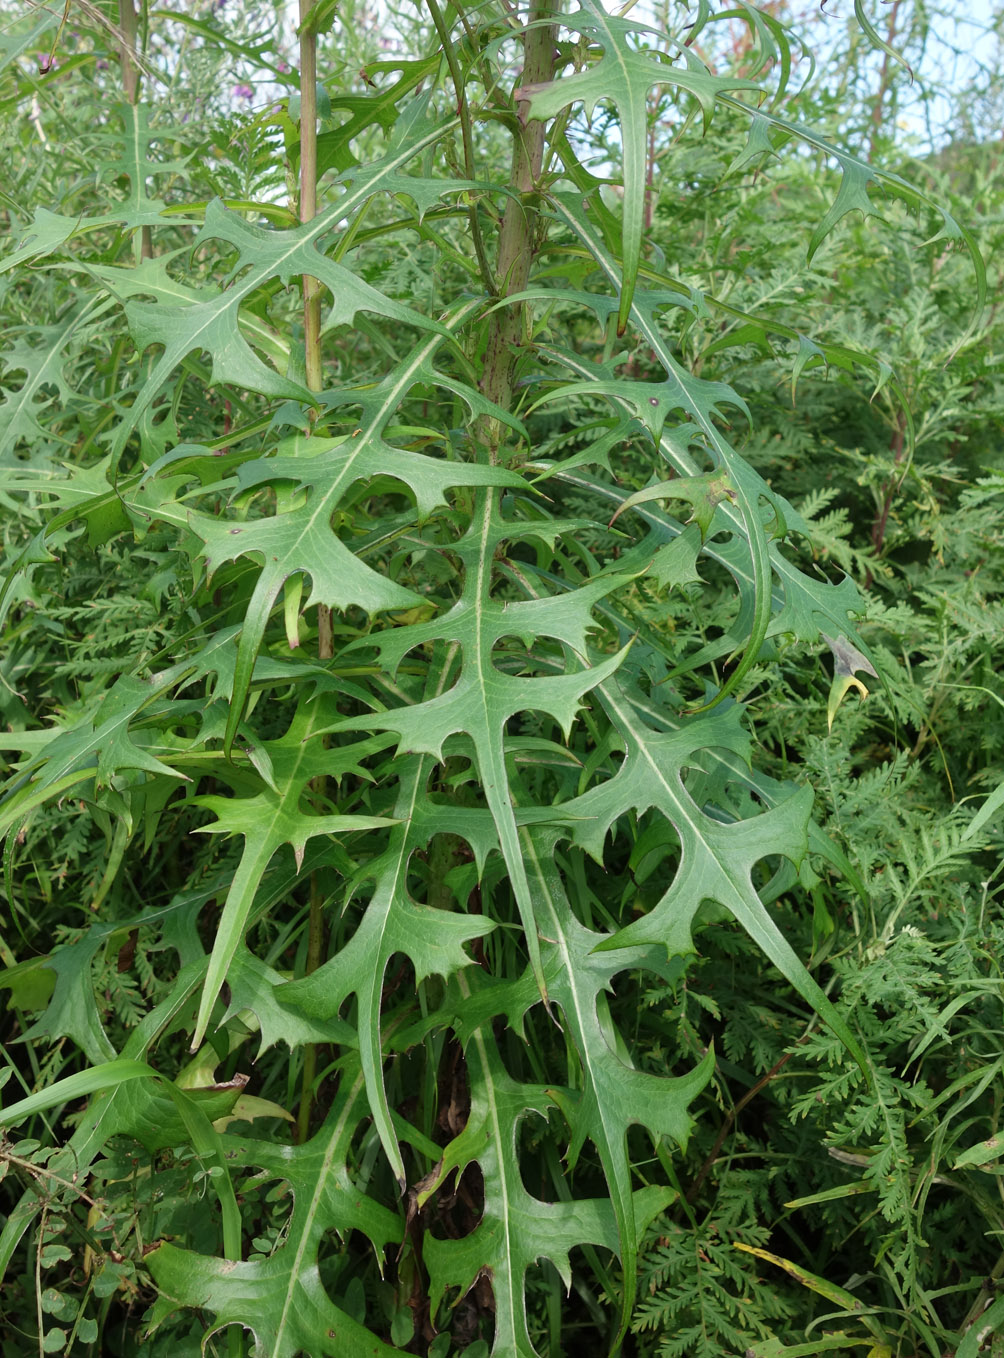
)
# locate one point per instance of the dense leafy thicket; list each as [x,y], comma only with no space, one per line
[461,472]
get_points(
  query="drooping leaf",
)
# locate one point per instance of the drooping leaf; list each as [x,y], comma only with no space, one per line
[281,1298]
[701,403]
[852,194]
[847,660]
[271,819]
[716,860]
[806,602]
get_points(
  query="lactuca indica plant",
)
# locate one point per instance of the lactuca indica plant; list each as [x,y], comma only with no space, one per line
[421,798]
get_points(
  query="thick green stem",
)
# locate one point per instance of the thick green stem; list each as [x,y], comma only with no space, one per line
[517,236]
[506,333]
[130,75]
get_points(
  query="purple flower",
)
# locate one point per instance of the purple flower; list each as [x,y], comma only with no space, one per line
[243,92]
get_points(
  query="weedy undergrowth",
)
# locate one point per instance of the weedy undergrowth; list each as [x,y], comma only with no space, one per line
[340,690]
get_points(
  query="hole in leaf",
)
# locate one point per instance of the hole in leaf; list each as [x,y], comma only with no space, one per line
[470,1320]
[540,1146]
[456,1209]
[544,1039]
[444,875]
[511,656]
[398,982]
[341,1265]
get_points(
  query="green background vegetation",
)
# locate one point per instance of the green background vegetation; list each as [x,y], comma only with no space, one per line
[500,683]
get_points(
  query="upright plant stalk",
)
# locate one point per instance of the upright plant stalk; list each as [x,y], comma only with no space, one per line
[505,331]
[885,80]
[308,190]
[130,75]
[519,224]
[308,210]
[130,88]
[312,370]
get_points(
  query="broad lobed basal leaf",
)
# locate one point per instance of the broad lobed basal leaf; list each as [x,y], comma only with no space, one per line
[516,1229]
[281,1298]
[393,922]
